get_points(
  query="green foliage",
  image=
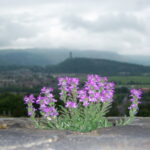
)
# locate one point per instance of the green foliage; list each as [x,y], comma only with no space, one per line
[12,104]
[81,119]
[9,102]
[144,109]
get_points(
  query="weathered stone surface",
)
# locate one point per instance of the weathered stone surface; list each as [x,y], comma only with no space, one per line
[23,137]
[17,122]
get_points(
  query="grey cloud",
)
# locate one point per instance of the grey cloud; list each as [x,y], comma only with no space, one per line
[11,31]
[24,3]
[107,23]
[112,4]
[124,24]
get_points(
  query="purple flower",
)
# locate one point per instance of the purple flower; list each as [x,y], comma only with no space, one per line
[96,89]
[46,109]
[31,110]
[45,100]
[86,103]
[133,106]
[136,95]
[42,106]
[92,99]
[39,99]
[110,85]
[48,97]
[68,87]
[82,95]
[30,113]
[50,111]
[73,82]
[62,81]
[68,83]
[102,99]
[70,104]
[29,99]
[107,95]
[46,90]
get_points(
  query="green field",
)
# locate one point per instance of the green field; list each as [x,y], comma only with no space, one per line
[131,81]
[126,81]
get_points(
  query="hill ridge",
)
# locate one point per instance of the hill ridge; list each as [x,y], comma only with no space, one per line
[103,66]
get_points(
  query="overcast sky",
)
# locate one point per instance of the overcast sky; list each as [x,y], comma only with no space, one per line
[121,26]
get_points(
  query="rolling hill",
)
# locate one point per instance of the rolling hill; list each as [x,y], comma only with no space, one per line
[42,57]
[23,58]
[100,66]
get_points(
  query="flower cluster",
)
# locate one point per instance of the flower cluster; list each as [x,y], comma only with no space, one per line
[136,96]
[46,103]
[71,104]
[96,89]
[68,84]
[29,100]
[84,109]
[68,90]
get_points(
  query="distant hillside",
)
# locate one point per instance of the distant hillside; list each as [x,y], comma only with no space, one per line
[81,65]
[22,58]
[41,57]
[102,66]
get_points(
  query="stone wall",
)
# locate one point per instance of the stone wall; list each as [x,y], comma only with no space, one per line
[19,134]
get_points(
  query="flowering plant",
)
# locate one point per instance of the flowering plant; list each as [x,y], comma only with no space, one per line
[83,109]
